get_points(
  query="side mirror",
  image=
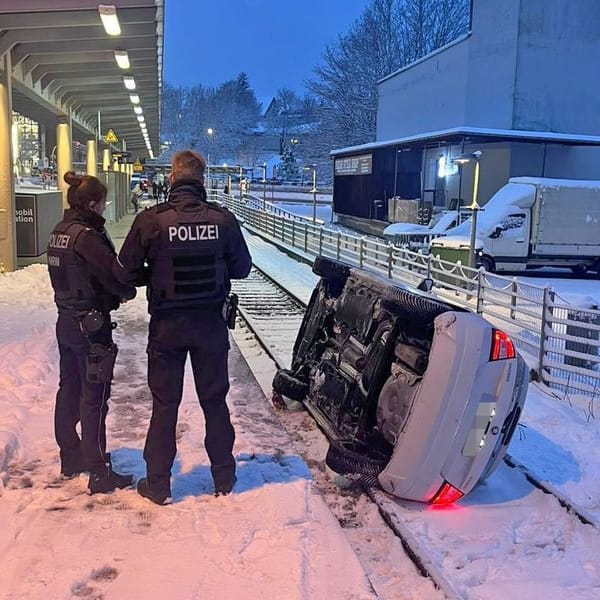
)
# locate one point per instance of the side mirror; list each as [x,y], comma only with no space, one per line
[425,285]
[496,233]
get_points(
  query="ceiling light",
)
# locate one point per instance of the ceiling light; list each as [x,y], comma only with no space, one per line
[135,99]
[141,118]
[151,154]
[122,59]
[137,110]
[108,14]
[129,82]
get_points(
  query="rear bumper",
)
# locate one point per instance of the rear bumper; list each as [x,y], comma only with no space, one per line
[448,439]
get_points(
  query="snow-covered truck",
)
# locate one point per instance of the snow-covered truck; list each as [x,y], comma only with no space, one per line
[534,222]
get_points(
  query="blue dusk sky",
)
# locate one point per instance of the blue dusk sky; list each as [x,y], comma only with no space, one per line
[276,42]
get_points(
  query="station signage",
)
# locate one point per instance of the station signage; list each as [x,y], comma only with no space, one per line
[354,165]
[111,137]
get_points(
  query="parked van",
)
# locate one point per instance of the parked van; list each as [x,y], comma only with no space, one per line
[535,222]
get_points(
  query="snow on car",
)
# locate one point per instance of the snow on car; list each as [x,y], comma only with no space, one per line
[413,392]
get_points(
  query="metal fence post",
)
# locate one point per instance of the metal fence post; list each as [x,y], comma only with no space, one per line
[390,260]
[429,261]
[547,301]
[305,236]
[338,245]
[514,288]
[361,251]
[293,233]
[320,241]
[480,289]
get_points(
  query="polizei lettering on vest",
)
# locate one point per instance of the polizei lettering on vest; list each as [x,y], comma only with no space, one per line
[193,233]
[59,240]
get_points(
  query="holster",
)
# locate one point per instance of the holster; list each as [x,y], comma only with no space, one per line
[100,363]
[230,310]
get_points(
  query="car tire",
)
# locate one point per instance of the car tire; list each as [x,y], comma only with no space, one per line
[487,262]
[346,458]
[286,384]
[330,269]
[579,269]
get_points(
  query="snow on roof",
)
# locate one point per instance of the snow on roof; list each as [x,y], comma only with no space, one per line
[548,182]
[514,134]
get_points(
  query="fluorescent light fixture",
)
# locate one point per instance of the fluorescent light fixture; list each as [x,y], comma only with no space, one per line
[135,99]
[108,15]
[141,118]
[122,59]
[137,110]
[129,82]
[151,154]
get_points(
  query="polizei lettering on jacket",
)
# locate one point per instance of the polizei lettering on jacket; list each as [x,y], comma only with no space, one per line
[193,233]
[59,240]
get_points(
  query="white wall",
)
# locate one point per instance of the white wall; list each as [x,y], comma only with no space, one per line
[427,96]
[528,64]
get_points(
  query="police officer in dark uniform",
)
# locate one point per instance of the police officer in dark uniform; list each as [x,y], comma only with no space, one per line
[186,250]
[81,260]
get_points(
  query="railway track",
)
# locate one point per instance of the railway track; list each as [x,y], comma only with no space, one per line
[274,316]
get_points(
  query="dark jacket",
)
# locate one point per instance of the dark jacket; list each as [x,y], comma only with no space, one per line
[185,250]
[81,259]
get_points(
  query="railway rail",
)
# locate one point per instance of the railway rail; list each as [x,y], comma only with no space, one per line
[274,316]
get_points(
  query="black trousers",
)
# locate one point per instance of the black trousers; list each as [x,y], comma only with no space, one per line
[78,401]
[204,336]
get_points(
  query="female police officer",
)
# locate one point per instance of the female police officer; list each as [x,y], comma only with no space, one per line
[80,262]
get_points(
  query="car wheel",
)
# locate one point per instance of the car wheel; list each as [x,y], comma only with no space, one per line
[350,458]
[579,269]
[330,269]
[287,384]
[487,263]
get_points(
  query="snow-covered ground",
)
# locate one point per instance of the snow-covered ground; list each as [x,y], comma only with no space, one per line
[275,535]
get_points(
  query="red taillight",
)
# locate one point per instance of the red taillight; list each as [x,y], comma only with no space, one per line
[502,346]
[447,495]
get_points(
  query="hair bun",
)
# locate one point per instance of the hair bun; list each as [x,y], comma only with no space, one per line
[72,178]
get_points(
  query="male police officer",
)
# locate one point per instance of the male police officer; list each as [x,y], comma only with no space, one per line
[191,249]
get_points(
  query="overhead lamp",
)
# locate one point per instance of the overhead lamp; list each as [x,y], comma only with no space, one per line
[141,118]
[151,154]
[135,99]
[129,82]
[122,58]
[108,15]
[138,110]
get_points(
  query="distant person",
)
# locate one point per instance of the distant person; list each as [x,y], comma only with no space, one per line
[192,248]
[136,196]
[155,189]
[226,189]
[81,260]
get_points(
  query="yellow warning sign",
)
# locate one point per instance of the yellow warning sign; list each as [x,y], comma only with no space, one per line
[138,167]
[111,137]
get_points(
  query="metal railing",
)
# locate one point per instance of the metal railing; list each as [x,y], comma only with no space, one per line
[559,341]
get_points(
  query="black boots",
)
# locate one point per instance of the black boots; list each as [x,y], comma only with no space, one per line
[222,488]
[106,480]
[158,498]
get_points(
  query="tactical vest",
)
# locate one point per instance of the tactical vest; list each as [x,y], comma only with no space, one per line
[72,282]
[187,260]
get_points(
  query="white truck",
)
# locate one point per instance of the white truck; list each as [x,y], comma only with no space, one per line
[534,222]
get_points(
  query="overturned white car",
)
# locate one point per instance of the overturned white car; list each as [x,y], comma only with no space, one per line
[414,393]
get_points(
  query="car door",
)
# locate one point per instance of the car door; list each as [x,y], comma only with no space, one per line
[509,242]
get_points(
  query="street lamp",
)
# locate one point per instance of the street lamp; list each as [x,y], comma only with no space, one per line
[314,189]
[264,181]
[462,160]
[210,132]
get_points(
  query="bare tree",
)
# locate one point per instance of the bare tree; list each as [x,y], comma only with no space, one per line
[389,35]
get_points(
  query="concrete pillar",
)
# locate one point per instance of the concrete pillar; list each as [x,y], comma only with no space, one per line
[115,165]
[105,159]
[8,244]
[63,157]
[92,160]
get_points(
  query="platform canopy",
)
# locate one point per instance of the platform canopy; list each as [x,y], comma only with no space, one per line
[64,65]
